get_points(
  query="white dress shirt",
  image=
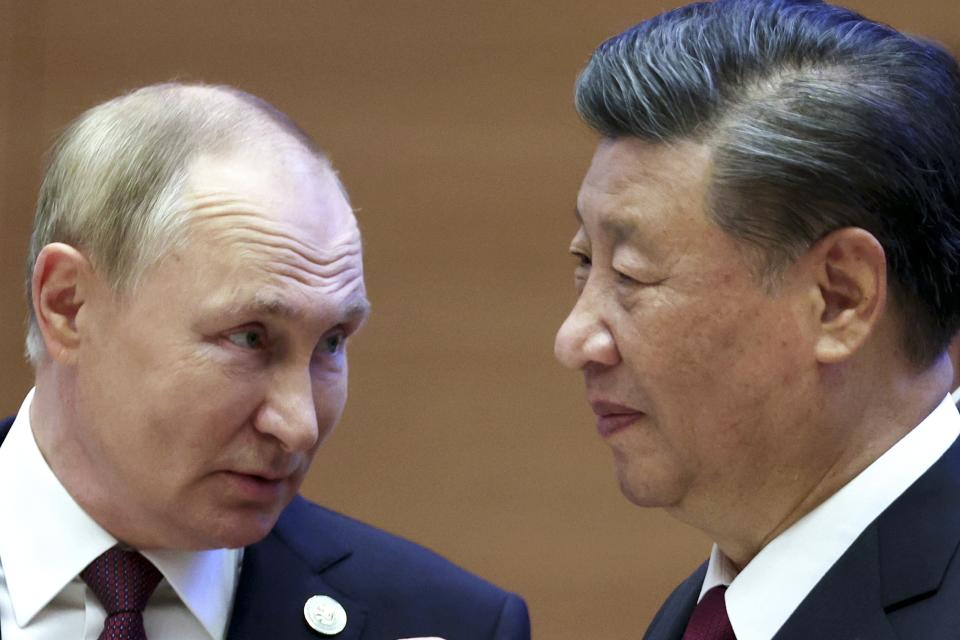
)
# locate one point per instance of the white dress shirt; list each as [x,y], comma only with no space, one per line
[46,539]
[768,590]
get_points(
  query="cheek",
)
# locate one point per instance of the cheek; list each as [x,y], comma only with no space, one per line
[682,346]
[198,402]
[721,339]
[330,398]
[749,372]
[709,368]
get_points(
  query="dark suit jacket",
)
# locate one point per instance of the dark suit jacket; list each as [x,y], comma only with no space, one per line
[899,580]
[389,587]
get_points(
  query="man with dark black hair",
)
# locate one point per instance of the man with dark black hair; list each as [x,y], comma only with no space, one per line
[769,248]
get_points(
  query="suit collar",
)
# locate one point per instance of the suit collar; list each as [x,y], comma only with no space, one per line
[846,602]
[915,549]
[282,571]
[901,557]
[798,559]
[671,620]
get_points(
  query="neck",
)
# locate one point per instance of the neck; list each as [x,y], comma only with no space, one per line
[54,413]
[51,411]
[857,425]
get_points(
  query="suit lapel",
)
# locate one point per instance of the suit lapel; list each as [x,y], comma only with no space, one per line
[5,425]
[920,532]
[280,573]
[846,603]
[900,559]
[671,621]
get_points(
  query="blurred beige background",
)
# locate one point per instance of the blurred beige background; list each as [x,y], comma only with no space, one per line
[451,125]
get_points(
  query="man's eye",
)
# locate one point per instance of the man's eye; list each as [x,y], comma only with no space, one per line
[583,260]
[631,282]
[333,344]
[248,339]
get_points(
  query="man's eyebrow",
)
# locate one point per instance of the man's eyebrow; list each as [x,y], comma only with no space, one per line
[271,307]
[619,229]
[358,309]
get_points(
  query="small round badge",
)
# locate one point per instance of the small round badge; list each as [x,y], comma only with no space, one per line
[324,614]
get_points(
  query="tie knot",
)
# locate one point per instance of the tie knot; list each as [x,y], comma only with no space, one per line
[122,580]
[709,620]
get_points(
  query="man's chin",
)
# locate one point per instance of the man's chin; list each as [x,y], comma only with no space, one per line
[646,491]
[250,531]
[239,539]
[232,531]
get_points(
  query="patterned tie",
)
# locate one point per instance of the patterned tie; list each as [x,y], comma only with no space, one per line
[122,581]
[709,620]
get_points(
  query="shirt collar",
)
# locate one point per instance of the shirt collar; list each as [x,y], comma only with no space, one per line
[720,572]
[46,540]
[204,580]
[762,596]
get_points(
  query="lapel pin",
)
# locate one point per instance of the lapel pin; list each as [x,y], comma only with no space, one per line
[325,615]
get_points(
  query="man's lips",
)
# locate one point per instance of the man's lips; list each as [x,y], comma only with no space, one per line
[265,486]
[264,476]
[613,416]
[278,469]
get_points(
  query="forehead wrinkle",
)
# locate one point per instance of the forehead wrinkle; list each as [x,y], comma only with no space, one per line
[222,203]
[248,215]
[342,254]
[350,271]
[255,233]
[324,263]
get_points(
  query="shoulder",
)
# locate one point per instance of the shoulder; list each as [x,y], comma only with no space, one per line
[382,567]
[304,523]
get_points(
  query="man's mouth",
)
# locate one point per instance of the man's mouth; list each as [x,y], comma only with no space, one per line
[613,416]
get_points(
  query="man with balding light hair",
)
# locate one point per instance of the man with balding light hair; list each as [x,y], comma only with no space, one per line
[194,275]
[767,285]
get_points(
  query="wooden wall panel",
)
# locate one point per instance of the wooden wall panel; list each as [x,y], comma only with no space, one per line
[451,125]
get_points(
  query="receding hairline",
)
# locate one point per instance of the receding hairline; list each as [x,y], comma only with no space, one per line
[114,178]
[237,104]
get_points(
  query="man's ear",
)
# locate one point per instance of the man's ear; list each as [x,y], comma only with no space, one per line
[59,285]
[849,268]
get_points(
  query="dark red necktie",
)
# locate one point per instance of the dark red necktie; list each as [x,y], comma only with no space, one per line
[122,581]
[709,620]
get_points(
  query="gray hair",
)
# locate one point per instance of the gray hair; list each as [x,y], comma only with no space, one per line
[818,119]
[115,176]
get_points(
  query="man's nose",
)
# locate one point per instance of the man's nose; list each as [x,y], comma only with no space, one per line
[289,414]
[585,338]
